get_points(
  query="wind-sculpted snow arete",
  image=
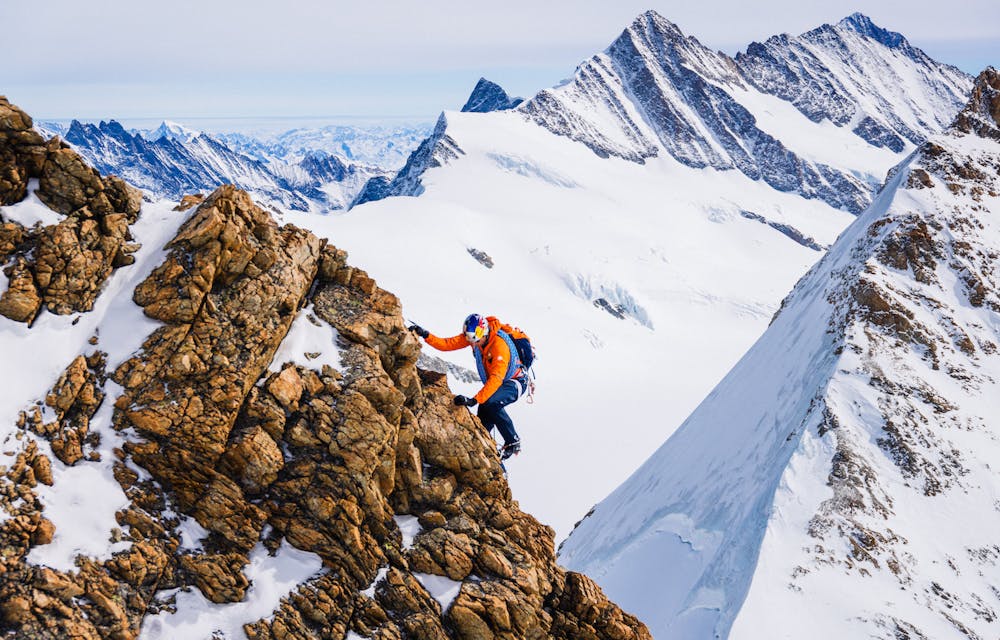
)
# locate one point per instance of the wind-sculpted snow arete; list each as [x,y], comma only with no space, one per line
[840,482]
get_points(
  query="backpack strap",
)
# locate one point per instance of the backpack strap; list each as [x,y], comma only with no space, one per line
[515,359]
[512,366]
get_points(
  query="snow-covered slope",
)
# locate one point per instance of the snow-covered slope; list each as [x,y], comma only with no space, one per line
[172,161]
[696,260]
[841,481]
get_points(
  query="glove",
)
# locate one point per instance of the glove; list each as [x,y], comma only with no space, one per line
[420,331]
[462,401]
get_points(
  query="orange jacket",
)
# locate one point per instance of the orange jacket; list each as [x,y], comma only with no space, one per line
[496,355]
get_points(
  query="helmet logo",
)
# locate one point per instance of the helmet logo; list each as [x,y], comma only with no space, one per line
[476,328]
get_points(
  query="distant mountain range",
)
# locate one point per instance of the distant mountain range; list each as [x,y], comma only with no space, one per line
[303,170]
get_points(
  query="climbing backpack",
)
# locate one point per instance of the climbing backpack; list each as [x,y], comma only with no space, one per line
[525,351]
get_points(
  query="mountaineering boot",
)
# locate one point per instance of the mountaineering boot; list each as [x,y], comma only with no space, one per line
[510,449]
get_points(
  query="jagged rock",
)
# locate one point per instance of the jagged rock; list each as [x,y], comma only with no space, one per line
[74,399]
[228,293]
[68,184]
[489,96]
[218,576]
[254,461]
[286,388]
[322,459]
[123,197]
[75,257]
[64,265]
[20,302]
[22,153]
[481,257]
[982,115]
[43,533]
[11,235]
[189,201]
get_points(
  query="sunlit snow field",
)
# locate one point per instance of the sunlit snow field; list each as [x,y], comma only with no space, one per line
[564,227]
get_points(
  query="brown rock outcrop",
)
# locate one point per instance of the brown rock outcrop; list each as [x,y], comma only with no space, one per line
[325,460]
[228,293]
[22,153]
[445,470]
[189,201]
[20,302]
[11,236]
[62,266]
[73,401]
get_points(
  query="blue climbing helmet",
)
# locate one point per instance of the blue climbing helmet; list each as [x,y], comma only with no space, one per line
[476,328]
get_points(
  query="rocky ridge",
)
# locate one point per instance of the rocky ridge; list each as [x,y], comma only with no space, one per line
[489,96]
[437,150]
[61,266]
[264,454]
[667,92]
[879,379]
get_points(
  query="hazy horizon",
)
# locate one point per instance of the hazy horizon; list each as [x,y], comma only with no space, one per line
[212,60]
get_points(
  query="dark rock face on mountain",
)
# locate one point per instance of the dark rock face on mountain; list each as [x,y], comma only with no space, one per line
[321,459]
[61,266]
[325,168]
[437,150]
[375,189]
[489,96]
[982,116]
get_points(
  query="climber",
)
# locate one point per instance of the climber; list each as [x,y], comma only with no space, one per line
[500,367]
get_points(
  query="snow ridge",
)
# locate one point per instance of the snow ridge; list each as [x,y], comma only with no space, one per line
[838,482]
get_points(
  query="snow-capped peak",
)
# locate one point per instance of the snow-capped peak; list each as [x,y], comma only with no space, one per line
[173,130]
[863,25]
[489,96]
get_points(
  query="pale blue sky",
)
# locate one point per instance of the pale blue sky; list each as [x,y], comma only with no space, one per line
[209,58]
